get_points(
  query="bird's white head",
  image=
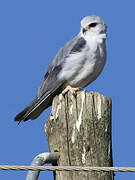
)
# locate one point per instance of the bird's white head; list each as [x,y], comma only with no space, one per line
[92,27]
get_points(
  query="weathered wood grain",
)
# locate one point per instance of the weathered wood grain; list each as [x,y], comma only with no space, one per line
[79,128]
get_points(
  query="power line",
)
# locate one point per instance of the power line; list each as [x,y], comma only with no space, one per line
[68,168]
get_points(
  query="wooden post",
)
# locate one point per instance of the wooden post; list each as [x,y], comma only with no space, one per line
[79,128]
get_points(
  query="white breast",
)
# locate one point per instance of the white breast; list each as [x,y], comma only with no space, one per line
[81,68]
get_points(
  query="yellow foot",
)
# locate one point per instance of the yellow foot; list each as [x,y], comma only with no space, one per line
[71,89]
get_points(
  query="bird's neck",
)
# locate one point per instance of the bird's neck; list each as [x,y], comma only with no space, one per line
[97,37]
[94,40]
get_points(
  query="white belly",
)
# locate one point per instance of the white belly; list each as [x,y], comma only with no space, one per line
[88,73]
[81,68]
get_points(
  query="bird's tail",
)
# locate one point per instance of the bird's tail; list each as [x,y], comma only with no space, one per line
[24,115]
[39,104]
[34,109]
[21,116]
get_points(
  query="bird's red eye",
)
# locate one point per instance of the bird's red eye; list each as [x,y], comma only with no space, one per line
[92,25]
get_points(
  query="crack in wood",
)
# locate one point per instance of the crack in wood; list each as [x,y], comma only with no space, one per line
[67,118]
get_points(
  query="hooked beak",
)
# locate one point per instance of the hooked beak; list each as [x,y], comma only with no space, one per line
[84,30]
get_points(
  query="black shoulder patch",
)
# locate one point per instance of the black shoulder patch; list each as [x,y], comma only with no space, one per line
[79,45]
[46,75]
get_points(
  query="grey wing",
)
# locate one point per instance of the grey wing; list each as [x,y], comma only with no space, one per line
[51,82]
[73,46]
[51,85]
[63,53]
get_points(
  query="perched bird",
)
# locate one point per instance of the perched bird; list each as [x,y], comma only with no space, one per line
[75,66]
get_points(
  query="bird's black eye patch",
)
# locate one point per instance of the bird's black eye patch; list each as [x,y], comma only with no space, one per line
[92,25]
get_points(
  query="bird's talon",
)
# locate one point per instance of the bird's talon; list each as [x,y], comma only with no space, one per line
[72,90]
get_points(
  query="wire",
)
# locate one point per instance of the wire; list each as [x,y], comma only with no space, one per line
[68,168]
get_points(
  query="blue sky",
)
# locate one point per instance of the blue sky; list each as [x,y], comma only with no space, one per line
[31,33]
